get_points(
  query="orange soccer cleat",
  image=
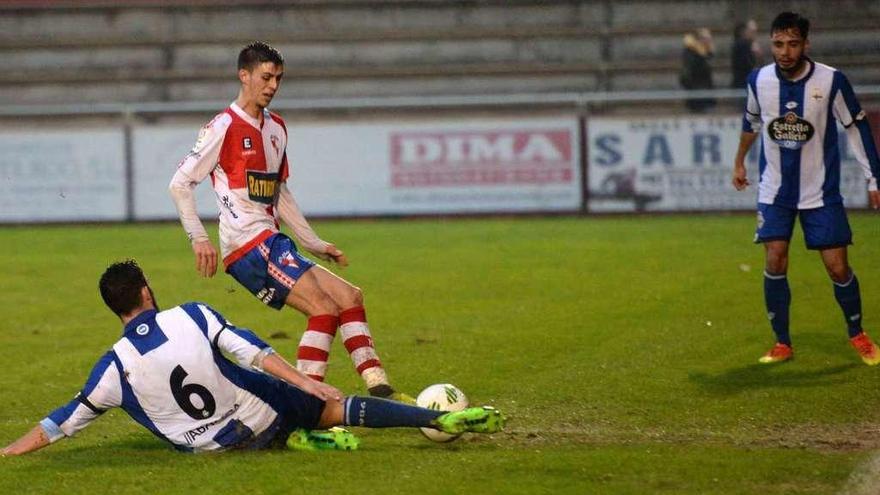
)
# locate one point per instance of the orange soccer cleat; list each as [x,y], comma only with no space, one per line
[866,349]
[779,353]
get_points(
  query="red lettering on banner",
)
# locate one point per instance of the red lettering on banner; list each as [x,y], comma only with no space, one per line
[423,159]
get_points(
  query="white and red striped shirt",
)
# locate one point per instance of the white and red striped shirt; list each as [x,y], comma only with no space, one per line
[246,159]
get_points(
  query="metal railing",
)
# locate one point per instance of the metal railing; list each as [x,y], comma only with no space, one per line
[582,101]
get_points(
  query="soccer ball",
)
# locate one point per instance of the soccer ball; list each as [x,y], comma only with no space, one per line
[441,397]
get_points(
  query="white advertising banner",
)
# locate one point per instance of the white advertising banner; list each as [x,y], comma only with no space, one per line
[677,164]
[394,167]
[157,150]
[55,175]
[441,166]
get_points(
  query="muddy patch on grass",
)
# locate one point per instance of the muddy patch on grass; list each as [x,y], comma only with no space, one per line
[856,437]
[852,437]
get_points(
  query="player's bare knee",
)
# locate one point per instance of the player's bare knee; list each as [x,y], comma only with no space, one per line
[776,264]
[839,272]
[349,297]
[316,303]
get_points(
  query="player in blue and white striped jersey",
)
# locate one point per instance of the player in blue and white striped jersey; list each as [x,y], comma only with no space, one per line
[793,104]
[168,372]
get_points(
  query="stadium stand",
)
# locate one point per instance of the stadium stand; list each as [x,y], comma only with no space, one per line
[142,50]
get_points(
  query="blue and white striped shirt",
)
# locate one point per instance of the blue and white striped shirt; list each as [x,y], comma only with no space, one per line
[168,374]
[799,165]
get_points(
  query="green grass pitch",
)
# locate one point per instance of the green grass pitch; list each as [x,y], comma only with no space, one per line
[624,350]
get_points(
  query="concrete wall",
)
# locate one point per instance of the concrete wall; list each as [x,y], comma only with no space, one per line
[414,47]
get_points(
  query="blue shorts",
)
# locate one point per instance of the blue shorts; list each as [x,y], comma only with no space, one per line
[295,408]
[824,227]
[271,269]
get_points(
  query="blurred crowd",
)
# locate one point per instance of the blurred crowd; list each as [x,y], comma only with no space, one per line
[699,49]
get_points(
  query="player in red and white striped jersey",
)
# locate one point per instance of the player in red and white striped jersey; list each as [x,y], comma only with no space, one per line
[243,150]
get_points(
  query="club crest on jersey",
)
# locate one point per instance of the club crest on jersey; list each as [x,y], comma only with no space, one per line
[262,186]
[287,259]
[790,131]
[275,141]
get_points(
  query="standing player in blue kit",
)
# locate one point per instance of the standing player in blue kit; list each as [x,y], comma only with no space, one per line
[794,103]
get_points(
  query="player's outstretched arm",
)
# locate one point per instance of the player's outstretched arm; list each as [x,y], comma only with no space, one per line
[191,171]
[250,351]
[181,189]
[278,367]
[29,442]
[740,176]
[102,391]
[291,215]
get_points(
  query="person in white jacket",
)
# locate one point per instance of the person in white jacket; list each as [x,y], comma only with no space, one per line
[244,151]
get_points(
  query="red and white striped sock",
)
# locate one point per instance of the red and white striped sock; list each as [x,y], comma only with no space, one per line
[314,347]
[359,344]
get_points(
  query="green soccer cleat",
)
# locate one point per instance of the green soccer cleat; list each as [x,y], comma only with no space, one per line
[335,438]
[484,419]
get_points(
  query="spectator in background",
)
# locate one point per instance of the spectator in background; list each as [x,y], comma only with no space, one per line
[696,73]
[745,52]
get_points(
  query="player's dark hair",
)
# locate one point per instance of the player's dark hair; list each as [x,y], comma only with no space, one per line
[791,20]
[257,53]
[121,286]
[739,30]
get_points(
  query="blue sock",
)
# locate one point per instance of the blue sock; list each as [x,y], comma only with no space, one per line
[777,297]
[850,301]
[374,412]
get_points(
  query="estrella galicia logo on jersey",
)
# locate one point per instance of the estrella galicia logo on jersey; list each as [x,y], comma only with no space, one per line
[790,131]
[262,186]
[142,329]
[246,143]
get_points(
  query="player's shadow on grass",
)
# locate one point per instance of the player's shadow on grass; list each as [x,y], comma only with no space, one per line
[758,376]
[791,374]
